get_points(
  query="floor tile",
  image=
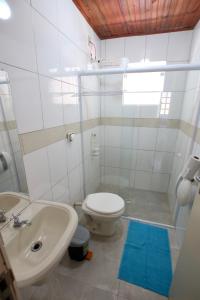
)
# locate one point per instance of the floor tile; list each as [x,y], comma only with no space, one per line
[94,293]
[95,279]
[141,204]
[132,292]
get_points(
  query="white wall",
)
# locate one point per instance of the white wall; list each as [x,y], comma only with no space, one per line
[185,145]
[39,43]
[13,179]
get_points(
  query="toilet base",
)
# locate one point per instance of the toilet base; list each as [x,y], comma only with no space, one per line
[101,227]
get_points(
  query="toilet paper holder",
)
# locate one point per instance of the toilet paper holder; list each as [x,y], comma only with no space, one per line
[70,136]
[5,161]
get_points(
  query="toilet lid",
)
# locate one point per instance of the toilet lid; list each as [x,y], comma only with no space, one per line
[105,203]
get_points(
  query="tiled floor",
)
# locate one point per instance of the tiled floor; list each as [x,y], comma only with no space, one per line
[95,279]
[141,204]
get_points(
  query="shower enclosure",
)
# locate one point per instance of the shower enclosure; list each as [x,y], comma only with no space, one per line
[135,140]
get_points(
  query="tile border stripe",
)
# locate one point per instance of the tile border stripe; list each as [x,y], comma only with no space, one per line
[35,140]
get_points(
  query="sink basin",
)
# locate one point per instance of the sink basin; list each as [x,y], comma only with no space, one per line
[8,201]
[12,203]
[34,250]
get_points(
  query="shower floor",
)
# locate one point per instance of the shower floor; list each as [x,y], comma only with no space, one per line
[141,204]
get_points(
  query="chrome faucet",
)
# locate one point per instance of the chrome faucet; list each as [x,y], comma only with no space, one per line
[18,223]
[2,215]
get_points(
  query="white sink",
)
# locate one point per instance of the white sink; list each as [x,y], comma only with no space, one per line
[52,227]
[12,203]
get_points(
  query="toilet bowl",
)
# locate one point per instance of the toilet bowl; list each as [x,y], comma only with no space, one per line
[102,211]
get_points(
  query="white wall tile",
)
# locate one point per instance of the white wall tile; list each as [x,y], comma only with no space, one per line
[132,179]
[112,156]
[113,136]
[149,111]
[147,138]
[176,102]
[61,191]
[113,83]
[14,138]
[125,158]
[47,46]
[179,46]
[37,173]
[26,99]
[70,103]
[160,182]
[17,43]
[175,81]
[135,137]
[111,176]
[92,106]
[189,105]
[57,161]
[124,180]
[47,8]
[126,137]
[163,162]
[75,182]
[143,180]
[112,106]
[71,57]
[156,47]
[145,160]
[166,139]
[115,49]
[135,48]
[133,159]
[72,23]
[52,102]
[195,57]
[130,111]
[40,47]
[48,196]
[74,152]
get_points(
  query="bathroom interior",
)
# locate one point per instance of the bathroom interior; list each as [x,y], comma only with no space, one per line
[99,135]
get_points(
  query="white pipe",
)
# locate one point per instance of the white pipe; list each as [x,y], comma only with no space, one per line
[142,69]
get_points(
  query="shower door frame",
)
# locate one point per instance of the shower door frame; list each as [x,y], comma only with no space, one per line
[126,70]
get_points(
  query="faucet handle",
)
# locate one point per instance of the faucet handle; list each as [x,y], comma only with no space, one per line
[15,217]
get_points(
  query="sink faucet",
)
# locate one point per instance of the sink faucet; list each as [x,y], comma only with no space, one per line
[2,215]
[18,223]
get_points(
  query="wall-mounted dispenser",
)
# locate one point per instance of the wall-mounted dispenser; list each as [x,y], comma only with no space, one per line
[186,183]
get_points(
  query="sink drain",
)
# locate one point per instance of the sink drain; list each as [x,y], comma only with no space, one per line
[36,246]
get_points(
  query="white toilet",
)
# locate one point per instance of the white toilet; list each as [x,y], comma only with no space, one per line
[102,211]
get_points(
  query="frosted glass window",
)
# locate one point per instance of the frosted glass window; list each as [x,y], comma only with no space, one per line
[165,103]
[143,88]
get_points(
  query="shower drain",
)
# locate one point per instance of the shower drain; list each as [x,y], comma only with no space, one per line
[36,246]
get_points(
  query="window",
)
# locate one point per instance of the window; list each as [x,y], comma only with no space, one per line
[143,88]
[165,103]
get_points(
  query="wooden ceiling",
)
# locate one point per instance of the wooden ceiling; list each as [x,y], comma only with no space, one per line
[117,18]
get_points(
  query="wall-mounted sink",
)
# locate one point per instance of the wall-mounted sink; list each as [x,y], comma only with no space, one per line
[34,250]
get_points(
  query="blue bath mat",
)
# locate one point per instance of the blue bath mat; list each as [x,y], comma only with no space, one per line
[146,259]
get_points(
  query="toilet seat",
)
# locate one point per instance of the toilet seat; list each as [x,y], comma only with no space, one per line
[104,203]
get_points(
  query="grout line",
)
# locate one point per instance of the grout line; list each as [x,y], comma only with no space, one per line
[58,29]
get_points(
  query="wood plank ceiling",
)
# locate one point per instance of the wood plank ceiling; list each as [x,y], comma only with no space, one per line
[118,18]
